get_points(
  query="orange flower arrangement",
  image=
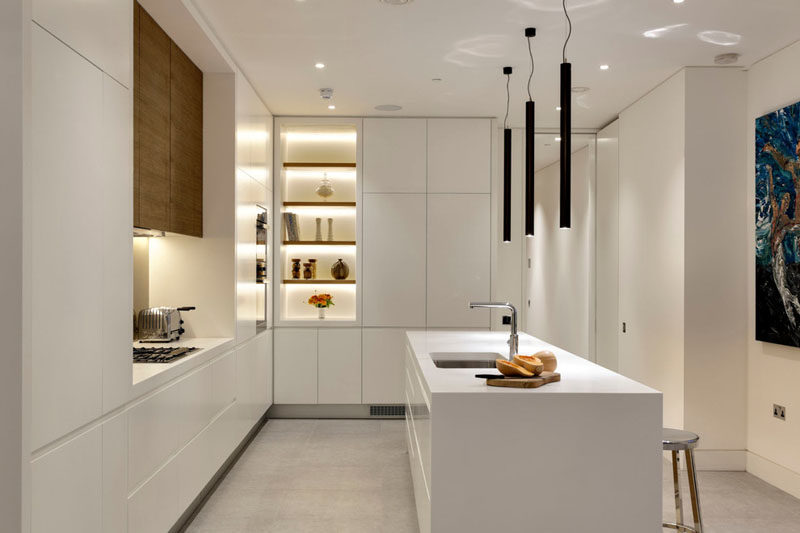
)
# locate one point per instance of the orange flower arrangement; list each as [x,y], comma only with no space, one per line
[321,300]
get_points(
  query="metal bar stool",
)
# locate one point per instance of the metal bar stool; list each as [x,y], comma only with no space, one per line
[676,440]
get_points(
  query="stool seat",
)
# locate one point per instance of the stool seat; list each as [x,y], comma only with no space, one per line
[677,439]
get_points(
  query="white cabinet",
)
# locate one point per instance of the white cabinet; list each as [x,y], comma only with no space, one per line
[249,193]
[101,31]
[339,366]
[66,487]
[394,260]
[117,213]
[253,369]
[67,270]
[265,369]
[253,133]
[394,155]
[295,366]
[153,508]
[459,155]
[115,473]
[153,434]
[458,259]
[382,365]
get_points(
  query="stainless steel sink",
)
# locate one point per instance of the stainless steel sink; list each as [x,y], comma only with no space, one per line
[465,359]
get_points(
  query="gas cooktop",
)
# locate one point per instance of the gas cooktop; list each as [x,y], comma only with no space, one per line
[160,355]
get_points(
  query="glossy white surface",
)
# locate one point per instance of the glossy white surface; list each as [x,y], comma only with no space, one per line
[101,31]
[382,366]
[458,259]
[339,366]
[66,244]
[115,473]
[394,155]
[153,508]
[595,437]
[295,366]
[148,376]
[459,155]
[66,487]
[394,259]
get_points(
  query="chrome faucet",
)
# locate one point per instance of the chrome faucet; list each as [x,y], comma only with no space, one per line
[513,341]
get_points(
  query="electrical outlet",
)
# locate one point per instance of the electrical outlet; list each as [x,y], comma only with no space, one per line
[506,319]
[778,411]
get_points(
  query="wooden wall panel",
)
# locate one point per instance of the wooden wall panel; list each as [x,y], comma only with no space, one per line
[186,145]
[137,9]
[153,101]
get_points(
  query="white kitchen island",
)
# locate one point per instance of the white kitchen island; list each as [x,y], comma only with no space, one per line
[580,455]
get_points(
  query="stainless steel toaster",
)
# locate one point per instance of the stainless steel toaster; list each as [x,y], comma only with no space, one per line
[161,324]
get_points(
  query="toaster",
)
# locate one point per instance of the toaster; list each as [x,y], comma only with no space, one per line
[161,324]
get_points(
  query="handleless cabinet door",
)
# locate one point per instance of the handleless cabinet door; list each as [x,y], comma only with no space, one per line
[66,273]
[295,366]
[186,145]
[152,124]
[458,259]
[339,364]
[383,365]
[394,154]
[459,155]
[394,260]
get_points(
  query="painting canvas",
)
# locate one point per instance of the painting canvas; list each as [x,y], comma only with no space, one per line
[778,226]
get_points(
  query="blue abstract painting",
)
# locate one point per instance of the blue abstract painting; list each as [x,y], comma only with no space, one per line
[778,226]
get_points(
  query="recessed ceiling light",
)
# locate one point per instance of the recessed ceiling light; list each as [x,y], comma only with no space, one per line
[721,38]
[726,59]
[580,89]
[319,65]
[677,1]
[331,106]
[603,67]
[558,108]
[388,107]
[557,139]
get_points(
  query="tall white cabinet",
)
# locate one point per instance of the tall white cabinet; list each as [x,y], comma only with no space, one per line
[426,248]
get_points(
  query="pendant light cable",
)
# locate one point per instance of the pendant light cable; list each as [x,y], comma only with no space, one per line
[569,33]
[508,97]
[530,78]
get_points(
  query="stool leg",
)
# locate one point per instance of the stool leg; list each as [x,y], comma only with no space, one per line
[698,520]
[677,484]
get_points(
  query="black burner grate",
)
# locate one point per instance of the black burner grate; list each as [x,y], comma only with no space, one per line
[160,355]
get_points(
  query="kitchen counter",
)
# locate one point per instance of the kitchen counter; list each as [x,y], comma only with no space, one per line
[148,376]
[582,454]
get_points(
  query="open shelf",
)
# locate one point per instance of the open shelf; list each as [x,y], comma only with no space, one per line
[320,243]
[319,204]
[320,281]
[318,165]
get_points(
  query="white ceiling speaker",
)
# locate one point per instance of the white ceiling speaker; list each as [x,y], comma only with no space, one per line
[388,107]
[326,93]
[396,2]
[726,59]
[579,89]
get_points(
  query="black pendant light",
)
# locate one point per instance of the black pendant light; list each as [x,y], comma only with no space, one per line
[530,110]
[507,164]
[566,131]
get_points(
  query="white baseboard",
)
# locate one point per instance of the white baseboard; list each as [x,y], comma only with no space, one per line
[715,460]
[785,479]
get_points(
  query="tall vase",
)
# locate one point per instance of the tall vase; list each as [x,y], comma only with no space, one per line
[321,311]
[330,229]
[318,236]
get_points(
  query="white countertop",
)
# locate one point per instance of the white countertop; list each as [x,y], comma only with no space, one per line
[147,376]
[578,376]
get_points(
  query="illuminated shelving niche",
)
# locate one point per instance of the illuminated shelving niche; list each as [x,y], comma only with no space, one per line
[309,150]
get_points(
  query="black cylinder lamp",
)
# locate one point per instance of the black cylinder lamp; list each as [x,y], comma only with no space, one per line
[530,113]
[507,164]
[565,188]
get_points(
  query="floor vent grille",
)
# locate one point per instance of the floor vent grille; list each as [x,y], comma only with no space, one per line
[387,410]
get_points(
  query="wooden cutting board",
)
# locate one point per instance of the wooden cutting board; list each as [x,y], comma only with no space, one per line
[526,383]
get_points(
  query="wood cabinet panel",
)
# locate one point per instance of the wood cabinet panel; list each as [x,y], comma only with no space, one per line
[186,145]
[152,123]
[137,11]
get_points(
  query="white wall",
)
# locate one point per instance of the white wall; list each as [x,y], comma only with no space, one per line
[607,326]
[773,370]
[651,209]
[560,282]
[12,113]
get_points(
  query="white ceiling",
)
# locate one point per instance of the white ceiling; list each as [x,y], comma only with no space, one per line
[378,53]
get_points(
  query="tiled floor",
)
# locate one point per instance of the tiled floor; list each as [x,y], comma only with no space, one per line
[353,476]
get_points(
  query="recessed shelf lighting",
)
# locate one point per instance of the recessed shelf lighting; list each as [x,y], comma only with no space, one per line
[331,106]
[580,89]
[677,1]
[557,139]
[603,67]
[319,65]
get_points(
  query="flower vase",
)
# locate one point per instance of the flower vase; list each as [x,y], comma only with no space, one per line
[318,235]
[321,311]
